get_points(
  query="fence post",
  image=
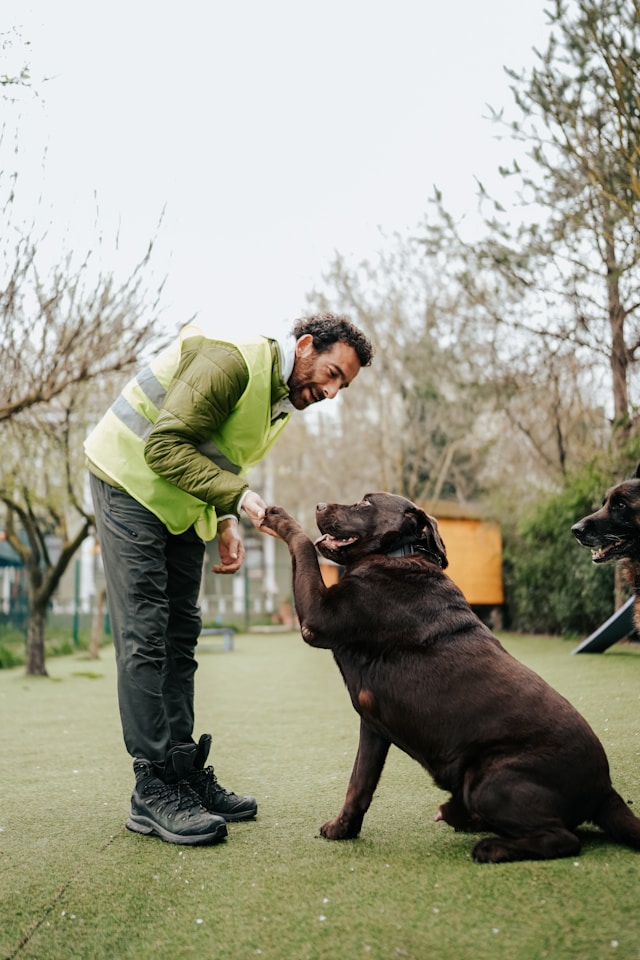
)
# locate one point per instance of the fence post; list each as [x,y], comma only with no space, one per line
[76,607]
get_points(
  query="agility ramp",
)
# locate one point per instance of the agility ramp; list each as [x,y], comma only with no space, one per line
[617,627]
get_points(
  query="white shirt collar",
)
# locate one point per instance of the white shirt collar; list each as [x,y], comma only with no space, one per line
[288,356]
[287,348]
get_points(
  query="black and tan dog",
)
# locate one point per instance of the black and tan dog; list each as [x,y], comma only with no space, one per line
[613,533]
[425,674]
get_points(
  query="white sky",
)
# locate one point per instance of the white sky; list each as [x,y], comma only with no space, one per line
[275,132]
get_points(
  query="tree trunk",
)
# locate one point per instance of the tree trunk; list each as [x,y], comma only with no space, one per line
[620,587]
[35,642]
[97,625]
[619,357]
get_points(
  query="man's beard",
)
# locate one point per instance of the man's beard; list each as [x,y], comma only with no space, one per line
[302,389]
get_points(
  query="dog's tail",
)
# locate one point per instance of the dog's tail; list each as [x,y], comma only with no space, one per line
[616,819]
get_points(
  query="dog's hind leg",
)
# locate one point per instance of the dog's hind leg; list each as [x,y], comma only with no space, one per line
[455,813]
[615,818]
[547,843]
[527,816]
[370,759]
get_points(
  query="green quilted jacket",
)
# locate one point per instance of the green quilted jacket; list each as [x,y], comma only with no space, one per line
[195,420]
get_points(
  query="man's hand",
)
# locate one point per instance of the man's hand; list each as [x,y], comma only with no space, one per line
[230,546]
[255,507]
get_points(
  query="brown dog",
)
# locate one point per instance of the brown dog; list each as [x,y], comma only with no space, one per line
[613,533]
[425,674]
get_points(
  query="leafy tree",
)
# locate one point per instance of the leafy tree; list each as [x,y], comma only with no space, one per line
[550,296]
[59,332]
[585,92]
[67,327]
[580,120]
[70,350]
[559,278]
[41,487]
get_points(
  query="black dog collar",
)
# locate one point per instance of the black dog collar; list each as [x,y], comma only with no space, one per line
[413,549]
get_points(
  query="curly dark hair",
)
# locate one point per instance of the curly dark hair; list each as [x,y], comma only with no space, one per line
[328,328]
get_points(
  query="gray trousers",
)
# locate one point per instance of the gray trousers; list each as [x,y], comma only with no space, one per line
[153,582]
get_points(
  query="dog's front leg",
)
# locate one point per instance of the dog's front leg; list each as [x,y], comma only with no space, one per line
[309,590]
[370,758]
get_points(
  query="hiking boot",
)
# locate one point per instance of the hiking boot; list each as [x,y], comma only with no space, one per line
[171,811]
[203,781]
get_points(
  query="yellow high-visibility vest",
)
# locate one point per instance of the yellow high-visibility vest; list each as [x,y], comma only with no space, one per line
[116,445]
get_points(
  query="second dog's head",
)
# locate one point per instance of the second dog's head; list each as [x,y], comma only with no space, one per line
[380,523]
[613,531]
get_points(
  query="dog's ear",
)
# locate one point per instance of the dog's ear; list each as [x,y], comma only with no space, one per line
[636,475]
[429,535]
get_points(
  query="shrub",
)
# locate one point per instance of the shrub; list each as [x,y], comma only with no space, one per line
[551,584]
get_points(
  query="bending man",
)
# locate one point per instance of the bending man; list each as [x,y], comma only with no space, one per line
[167,463]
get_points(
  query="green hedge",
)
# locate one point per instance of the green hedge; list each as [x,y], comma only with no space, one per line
[551,584]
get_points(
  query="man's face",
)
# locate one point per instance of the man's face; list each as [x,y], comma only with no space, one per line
[319,376]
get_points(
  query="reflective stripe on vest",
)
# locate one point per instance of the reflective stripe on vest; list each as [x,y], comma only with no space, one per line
[143,427]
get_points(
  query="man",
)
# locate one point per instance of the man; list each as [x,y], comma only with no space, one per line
[167,463]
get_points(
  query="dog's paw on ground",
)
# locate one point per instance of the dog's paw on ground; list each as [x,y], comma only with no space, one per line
[493,850]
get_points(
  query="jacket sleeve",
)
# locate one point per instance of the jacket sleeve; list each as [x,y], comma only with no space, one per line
[211,378]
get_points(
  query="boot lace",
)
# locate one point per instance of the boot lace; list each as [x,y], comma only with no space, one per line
[174,798]
[207,786]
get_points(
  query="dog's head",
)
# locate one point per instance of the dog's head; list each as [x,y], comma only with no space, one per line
[613,531]
[380,523]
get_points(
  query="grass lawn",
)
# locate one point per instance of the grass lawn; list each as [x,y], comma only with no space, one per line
[74,883]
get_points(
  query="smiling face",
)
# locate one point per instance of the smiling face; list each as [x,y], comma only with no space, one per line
[319,376]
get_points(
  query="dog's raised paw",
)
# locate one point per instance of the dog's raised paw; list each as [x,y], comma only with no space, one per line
[276,518]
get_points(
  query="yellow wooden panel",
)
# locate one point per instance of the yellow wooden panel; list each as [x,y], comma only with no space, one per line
[474,550]
[330,572]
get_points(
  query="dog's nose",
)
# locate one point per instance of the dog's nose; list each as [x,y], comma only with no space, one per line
[320,507]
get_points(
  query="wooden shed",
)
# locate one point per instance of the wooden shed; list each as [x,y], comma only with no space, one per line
[474,550]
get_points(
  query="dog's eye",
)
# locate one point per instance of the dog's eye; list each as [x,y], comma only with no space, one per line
[619,505]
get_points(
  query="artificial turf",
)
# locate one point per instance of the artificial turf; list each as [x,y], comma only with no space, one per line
[75,883]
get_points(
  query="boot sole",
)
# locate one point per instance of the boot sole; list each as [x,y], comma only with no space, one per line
[148,827]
